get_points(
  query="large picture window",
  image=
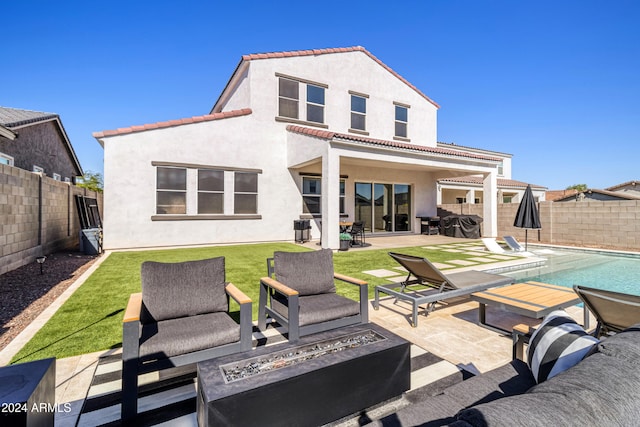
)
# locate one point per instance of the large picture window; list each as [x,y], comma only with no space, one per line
[383,207]
[171,194]
[205,192]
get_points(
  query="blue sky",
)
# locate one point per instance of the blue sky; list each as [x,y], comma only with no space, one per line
[555,83]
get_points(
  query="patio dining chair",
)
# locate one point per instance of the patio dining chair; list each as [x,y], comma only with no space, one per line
[357,233]
[181,317]
[614,311]
[302,296]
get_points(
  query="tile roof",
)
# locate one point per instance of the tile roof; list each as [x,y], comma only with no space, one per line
[471,179]
[315,52]
[612,194]
[171,123]
[13,117]
[324,134]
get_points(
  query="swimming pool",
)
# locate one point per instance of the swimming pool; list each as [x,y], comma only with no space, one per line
[620,273]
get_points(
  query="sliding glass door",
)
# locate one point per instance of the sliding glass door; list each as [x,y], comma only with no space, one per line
[383,207]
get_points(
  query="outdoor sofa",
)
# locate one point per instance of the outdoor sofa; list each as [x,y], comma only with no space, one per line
[602,389]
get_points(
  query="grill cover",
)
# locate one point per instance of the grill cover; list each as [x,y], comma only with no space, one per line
[461,226]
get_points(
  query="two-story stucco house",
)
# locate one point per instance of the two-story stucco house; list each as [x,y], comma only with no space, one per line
[318,134]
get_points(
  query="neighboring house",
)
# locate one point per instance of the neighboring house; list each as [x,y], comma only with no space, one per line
[553,195]
[37,142]
[469,189]
[321,134]
[631,188]
[595,194]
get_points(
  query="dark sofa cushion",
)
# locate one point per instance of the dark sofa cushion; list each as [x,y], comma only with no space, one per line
[600,390]
[172,290]
[309,273]
[318,308]
[173,337]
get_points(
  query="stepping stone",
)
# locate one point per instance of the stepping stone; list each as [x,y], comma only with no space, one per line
[381,273]
[431,248]
[461,262]
[502,257]
[396,279]
[401,269]
[482,259]
[453,250]
[441,265]
[478,253]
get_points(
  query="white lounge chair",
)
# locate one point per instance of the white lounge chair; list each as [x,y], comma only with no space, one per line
[492,246]
[513,243]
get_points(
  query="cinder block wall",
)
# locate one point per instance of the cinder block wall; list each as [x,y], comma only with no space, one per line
[37,216]
[598,224]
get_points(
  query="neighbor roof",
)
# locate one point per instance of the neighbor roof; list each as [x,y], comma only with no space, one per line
[13,117]
[613,194]
[477,180]
[316,52]
[624,184]
[328,135]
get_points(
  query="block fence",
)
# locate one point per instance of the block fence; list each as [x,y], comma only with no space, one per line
[37,216]
[595,224]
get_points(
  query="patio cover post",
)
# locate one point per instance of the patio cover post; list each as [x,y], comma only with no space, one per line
[490,205]
[330,199]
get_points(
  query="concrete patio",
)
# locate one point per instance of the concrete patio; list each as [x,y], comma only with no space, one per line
[450,332]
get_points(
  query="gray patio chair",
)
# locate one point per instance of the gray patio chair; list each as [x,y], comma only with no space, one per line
[357,233]
[513,243]
[181,317]
[614,311]
[302,296]
[438,286]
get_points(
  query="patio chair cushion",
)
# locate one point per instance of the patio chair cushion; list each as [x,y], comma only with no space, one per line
[557,344]
[173,290]
[309,273]
[319,308]
[173,337]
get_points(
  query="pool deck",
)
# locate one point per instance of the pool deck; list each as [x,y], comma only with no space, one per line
[451,331]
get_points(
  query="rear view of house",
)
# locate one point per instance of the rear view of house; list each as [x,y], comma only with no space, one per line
[315,134]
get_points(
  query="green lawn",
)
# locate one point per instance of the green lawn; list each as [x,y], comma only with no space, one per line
[91,319]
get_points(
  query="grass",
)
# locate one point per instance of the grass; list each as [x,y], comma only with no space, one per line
[91,319]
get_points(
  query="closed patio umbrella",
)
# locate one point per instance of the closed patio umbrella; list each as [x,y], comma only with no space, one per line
[527,215]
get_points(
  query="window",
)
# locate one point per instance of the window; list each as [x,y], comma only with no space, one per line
[210,191]
[288,98]
[38,169]
[402,116]
[171,195]
[501,169]
[57,177]
[205,192]
[67,179]
[315,104]
[311,195]
[6,159]
[291,91]
[245,193]
[358,112]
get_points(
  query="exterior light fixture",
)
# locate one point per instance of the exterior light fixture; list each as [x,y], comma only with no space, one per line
[40,260]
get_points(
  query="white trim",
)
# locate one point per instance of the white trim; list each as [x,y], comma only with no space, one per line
[6,157]
[37,169]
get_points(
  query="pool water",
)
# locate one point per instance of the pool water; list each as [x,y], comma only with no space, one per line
[596,270]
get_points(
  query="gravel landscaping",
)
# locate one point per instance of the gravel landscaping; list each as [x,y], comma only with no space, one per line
[25,293]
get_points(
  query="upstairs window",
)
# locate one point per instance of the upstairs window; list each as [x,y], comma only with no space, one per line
[171,193]
[402,118]
[315,104]
[289,95]
[501,169]
[358,112]
[300,100]
[38,169]
[57,177]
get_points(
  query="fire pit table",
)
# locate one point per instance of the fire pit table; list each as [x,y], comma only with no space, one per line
[313,381]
